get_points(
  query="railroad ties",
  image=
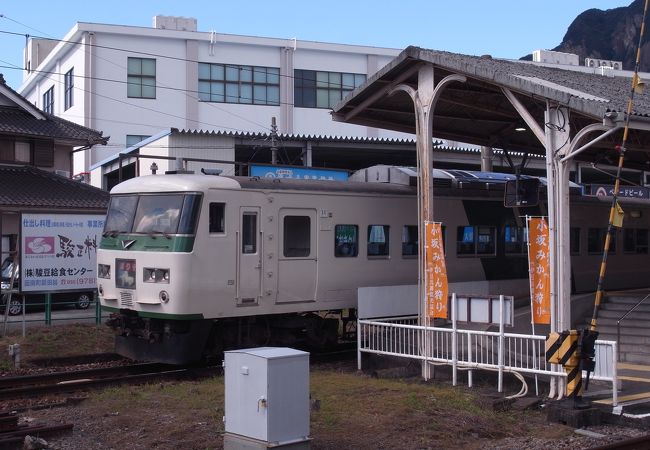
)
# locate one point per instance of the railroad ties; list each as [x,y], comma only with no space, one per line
[12,432]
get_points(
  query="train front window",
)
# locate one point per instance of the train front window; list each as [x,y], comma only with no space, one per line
[119,218]
[158,214]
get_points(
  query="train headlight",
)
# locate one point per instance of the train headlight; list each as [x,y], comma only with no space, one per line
[163,296]
[103,270]
[152,275]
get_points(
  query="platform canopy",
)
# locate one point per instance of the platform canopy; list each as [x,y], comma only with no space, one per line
[479,111]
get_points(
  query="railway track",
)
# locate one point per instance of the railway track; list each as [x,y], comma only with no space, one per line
[637,443]
[70,381]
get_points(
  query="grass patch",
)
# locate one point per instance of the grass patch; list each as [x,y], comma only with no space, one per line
[56,341]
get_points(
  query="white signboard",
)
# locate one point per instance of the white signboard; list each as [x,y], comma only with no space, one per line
[59,251]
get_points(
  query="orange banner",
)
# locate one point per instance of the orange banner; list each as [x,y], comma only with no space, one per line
[436,272]
[539,270]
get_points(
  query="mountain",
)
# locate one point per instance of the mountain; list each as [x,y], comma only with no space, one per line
[612,34]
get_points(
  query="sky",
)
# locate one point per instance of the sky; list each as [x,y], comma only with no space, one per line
[501,28]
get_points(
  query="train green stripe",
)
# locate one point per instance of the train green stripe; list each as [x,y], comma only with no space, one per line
[141,243]
[154,315]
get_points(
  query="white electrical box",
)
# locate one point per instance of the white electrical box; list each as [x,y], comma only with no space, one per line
[267,394]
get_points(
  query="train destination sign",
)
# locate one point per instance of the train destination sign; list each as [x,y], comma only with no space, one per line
[607,190]
[59,251]
[298,173]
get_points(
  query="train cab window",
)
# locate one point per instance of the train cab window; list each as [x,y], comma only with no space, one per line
[249,233]
[297,236]
[410,240]
[575,240]
[515,240]
[217,218]
[378,240]
[158,213]
[120,213]
[635,240]
[346,241]
[596,240]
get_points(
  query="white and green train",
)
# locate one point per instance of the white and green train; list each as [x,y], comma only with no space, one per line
[190,265]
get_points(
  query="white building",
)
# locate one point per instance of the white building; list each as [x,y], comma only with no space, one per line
[132,82]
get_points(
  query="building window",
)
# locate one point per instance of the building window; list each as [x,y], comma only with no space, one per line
[378,240]
[141,78]
[227,83]
[314,89]
[297,236]
[217,218]
[69,89]
[13,151]
[635,240]
[133,139]
[48,101]
[478,240]
[346,241]
[596,240]
[575,241]
[516,240]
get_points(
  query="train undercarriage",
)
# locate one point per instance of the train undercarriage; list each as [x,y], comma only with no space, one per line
[193,341]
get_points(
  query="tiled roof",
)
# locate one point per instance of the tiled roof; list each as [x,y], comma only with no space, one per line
[26,187]
[18,122]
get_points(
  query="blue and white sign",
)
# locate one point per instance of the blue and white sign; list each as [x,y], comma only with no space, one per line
[298,173]
[607,190]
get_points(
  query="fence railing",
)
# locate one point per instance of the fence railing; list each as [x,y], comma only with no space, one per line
[465,349]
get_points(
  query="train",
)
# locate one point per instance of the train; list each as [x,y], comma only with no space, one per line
[192,264]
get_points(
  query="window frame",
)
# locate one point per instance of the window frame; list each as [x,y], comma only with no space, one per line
[236,76]
[309,84]
[48,101]
[638,248]
[601,235]
[68,90]
[339,245]
[287,237]
[137,79]
[476,232]
[222,227]
[385,254]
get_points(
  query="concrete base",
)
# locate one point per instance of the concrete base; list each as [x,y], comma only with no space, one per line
[564,412]
[237,442]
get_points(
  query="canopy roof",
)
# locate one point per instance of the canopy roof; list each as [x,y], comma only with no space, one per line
[478,112]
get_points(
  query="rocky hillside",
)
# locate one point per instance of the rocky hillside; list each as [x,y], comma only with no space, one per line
[612,34]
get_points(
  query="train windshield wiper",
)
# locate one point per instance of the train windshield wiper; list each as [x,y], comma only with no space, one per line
[111,233]
[152,234]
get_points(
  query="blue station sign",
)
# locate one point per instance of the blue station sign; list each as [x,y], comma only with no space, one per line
[607,190]
[298,173]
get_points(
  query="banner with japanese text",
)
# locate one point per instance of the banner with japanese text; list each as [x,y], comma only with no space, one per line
[539,270]
[436,280]
[59,251]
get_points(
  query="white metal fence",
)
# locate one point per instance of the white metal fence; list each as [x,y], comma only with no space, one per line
[465,349]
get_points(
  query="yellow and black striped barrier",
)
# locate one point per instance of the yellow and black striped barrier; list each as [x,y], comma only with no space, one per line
[562,348]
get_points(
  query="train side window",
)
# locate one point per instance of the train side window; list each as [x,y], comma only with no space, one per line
[575,240]
[346,241]
[378,240]
[217,218]
[465,241]
[635,240]
[249,233]
[596,240]
[485,241]
[297,236]
[516,240]
[410,243]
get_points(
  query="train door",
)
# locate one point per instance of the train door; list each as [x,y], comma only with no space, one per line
[249,261]
[297,256]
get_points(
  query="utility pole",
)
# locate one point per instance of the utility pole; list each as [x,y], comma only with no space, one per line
[274,136]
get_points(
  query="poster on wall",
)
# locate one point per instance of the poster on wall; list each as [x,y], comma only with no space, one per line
[59,251]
